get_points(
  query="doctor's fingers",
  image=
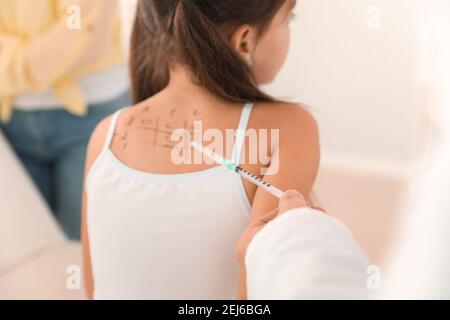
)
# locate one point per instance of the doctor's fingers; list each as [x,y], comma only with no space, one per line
[292,199]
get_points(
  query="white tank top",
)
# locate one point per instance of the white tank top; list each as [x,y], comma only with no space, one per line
[158,236]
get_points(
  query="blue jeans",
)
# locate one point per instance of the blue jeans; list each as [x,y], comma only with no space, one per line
[51,145]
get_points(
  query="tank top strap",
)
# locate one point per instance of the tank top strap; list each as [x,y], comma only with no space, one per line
[112,128]
[241,133]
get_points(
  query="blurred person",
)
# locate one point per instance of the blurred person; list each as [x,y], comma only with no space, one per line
[419,260]
[151,224]
[61,72]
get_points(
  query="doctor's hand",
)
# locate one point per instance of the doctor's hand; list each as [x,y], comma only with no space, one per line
[291,200]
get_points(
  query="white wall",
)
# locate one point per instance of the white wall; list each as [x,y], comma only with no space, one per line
[359,74]
[358,65]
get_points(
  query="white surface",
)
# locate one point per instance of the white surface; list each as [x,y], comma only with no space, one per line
[45,276]
[34,253]
[26,223]
[420,261]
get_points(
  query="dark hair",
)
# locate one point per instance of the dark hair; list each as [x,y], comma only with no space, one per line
[194,33]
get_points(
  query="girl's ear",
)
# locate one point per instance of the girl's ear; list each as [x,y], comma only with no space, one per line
[243,41]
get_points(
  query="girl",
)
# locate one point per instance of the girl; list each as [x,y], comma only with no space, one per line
[157,230]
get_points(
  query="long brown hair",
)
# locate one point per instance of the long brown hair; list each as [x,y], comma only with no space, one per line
[194,33]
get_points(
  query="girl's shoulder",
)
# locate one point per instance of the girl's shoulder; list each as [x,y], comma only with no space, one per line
[97,142]
[112,122]
[289,117]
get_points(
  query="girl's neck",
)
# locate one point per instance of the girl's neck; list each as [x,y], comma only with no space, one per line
[182,86]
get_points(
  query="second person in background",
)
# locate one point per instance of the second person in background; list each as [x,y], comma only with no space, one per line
[62,70]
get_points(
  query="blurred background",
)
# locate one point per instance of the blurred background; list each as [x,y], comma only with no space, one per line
[371,71]
[359,66]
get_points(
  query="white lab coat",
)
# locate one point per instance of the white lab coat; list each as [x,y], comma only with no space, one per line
[305,254]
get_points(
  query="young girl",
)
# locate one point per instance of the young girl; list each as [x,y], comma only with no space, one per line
[154,229]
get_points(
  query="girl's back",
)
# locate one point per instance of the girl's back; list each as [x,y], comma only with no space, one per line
[155,228]
[158,235]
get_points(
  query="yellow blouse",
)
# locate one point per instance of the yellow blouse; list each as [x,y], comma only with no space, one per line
[48,44]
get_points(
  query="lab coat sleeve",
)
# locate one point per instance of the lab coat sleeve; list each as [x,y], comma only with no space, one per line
[305,254]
